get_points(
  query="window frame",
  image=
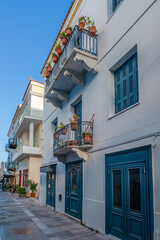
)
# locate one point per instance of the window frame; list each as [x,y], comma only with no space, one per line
[120,98]
[114,6]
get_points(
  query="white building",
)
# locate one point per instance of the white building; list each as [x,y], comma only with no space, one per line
[26,130]
[111,181]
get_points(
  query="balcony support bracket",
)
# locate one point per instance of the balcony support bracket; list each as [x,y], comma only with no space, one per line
[55,101]
[62,95]
[88,63]
[82,153]
[76,77]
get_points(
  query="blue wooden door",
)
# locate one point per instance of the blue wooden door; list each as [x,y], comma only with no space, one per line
[127,198]
[51,189]
[78,112]
[74,189]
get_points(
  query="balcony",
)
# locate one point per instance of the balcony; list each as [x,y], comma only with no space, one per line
[28,114]
[10,166]
[78,57]
[73,138]
[23,151]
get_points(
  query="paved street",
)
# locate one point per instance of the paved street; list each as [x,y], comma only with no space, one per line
[25,218]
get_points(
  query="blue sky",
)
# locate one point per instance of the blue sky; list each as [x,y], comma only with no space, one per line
[28,29]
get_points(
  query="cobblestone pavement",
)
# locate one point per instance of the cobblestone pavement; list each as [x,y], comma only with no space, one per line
[26,218]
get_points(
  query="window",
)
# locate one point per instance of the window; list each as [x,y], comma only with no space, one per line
[126,84]
[115,4]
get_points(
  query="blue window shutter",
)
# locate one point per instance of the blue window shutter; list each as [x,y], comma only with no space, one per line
[115,4]
[126,84]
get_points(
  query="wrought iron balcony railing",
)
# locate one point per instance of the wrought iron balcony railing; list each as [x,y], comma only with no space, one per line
[12,143]
[11,166]
[74,134]
[79,40]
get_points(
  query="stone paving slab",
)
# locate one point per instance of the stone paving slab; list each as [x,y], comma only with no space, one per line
[27,219]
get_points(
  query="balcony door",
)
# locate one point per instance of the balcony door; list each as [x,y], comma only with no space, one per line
[78,112]
[74,189]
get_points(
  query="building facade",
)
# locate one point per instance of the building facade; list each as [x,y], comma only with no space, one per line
[26,135]
[105,172]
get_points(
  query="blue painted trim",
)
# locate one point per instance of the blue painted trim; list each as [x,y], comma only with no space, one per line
[123,91]
[149,188]
[81,179]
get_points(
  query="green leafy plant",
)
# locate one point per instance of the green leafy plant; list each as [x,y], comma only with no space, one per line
[75,118]
[54,54]
[27,184]
[83,19]
[58,45]
[33,186]
[69,27]
[17,187]
[62,35]
[86,134]
[49,64]
[21,190]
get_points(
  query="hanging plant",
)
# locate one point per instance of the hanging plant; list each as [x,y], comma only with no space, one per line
[54,57]
[74,122]
[49,68]
[63,37]
[58,49]
[46,74]
[82,21]
[68,31]
[92,28]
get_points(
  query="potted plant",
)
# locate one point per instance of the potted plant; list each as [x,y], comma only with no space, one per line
[49,68]
[92,29]
[33,188]
[82,21]
[57,134]
[46,74]
[74,142]
[22,192]
[68,31]
[54,57]
[74,122]
[6,188]
[63,37]
[58,49]
[64,130]
[27,185]
[87,137]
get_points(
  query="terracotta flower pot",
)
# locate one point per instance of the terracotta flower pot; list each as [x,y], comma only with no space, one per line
[28,195]
[33,194]
[49,69]
[74,142]
[92,31]
[74,126]
[47,74]
[81,26]
[59,51]
[64,40]
[68,143]
[57,135]
[64,131]
[86,139]
[68,32]
[55,58]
